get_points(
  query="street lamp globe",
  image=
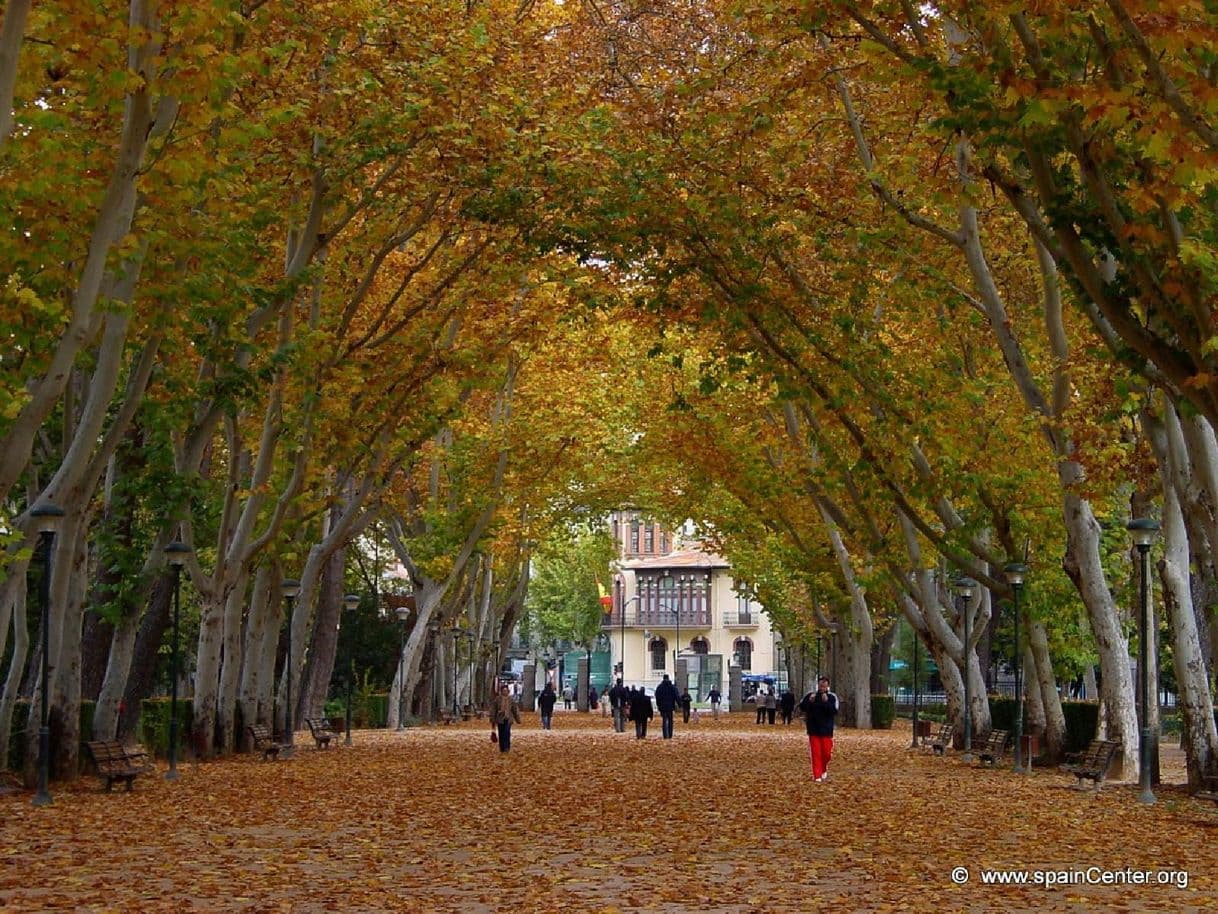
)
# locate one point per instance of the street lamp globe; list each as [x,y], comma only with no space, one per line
[1143,531]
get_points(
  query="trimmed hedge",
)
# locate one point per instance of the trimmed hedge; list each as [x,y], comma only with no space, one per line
[883,711]
[375,711]
[1082,723]
[1003,711]
[153,727]
[21,715]
[1082,718]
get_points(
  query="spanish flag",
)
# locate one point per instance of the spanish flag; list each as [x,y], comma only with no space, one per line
[606,600]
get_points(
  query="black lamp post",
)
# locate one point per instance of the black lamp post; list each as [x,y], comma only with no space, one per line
[469,648]
[667,582]
[1015,572]
[964,588]
[1143,531]
[351,602]
[403,613]
[914,741]
[290,589]
[175,554]
[47,518]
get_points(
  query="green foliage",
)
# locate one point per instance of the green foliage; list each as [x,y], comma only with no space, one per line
[883,712]
[154,723]
[1082,723]
[564,599]
[1002,713]
[372,711]
[18,731]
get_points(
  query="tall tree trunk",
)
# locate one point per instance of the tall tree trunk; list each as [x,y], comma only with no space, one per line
[319,663]
[230,671]
[65,673]
[258,660]
[881,661]
[1082,564]
[140,678]
[207,676]
[13,597]
[1200,737]
[1045,686]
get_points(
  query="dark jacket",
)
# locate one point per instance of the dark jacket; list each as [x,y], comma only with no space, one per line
[787,702]
[819,710]
[640,707]
[618,695]
[714,696]
[546,700]
[666,697]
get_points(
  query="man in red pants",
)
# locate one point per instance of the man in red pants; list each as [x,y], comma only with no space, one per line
[819,709]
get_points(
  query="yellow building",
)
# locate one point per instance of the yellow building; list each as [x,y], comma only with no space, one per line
[674,603]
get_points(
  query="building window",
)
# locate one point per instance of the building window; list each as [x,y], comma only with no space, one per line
[700,646]
[663,543]
[634,537]
[743,649]
[744,609]
[659,653]
[649,539]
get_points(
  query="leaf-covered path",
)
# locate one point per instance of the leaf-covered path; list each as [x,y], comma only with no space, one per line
[722,818]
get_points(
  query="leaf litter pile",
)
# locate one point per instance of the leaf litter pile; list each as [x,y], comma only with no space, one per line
[722,818]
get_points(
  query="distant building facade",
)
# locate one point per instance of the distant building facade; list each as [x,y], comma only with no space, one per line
[673,600]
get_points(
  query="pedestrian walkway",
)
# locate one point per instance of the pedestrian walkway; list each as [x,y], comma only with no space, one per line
[722,818]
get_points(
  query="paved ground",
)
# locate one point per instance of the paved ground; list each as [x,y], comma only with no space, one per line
[724,818]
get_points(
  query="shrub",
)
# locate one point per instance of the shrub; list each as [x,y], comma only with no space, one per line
[1082,723]
[154,723]
[883,710]
[1002,712]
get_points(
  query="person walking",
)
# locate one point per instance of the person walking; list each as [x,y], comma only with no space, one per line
[771,705]
[617,701]
[820,709]
[759,704]
[545,705]
[666,704]
[567,695]
[640,712]
[686,704]
[786,705]
[503,712]
[715,698]
[593,698]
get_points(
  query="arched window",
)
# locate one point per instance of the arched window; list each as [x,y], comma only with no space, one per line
[700,646]
[659,653]
[743,649]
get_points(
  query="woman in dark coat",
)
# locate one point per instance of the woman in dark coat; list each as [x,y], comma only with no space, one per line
[641,711]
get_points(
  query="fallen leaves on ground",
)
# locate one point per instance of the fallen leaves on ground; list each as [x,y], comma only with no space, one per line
[722,818]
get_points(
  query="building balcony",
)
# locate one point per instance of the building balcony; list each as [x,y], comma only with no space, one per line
[736,619]
[658,618]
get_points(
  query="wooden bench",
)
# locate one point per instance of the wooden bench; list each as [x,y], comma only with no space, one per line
[116,762]
[1092,764]
[940,743]
[320,728]
[263,741]
[1209,788]
[993,749]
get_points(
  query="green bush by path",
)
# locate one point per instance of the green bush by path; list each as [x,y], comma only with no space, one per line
[154,724]
[883,711]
